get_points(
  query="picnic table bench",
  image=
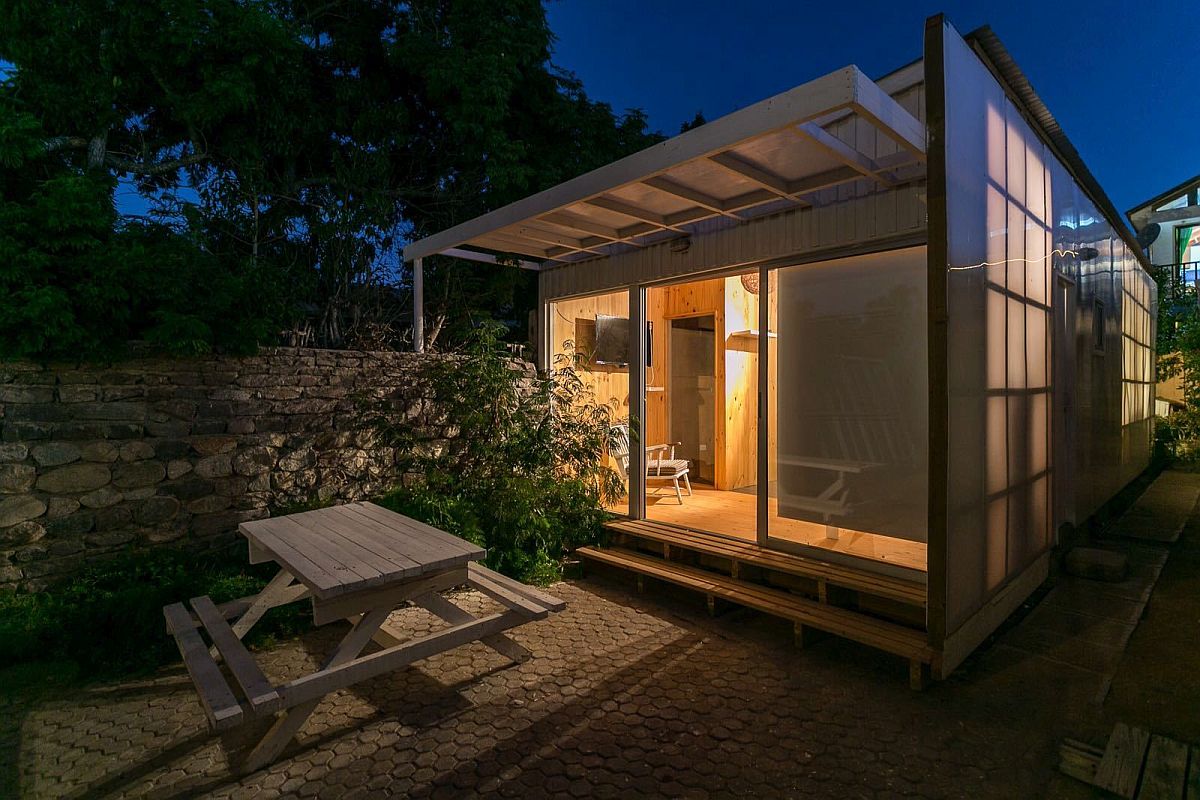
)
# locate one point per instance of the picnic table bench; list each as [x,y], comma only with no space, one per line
[357,562]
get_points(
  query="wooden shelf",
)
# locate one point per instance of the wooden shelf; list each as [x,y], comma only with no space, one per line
[753,334]
[656,388]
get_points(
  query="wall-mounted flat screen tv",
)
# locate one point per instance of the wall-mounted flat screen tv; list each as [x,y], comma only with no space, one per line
[612,340]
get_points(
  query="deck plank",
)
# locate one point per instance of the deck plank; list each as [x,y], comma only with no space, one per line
[1165,773]
[1122,763]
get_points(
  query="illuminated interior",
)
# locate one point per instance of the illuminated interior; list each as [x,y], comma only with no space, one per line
[851,473]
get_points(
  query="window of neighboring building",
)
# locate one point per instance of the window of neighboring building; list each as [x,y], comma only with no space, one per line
[1178,202]
[1187,244]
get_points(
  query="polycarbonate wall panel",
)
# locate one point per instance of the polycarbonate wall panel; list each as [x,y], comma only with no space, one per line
[1016,222]
[1138,305]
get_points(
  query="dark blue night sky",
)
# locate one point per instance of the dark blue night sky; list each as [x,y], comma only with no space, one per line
[1123,79]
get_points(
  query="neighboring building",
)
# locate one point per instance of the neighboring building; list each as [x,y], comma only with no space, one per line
[897,331]
[1169,226]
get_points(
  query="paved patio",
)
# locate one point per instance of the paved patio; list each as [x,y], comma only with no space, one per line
[627,695]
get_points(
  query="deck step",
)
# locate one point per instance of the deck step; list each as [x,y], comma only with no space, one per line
[907,642]
[217,699]
[908,592]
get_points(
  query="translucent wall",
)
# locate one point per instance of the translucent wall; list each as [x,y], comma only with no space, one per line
[850,385]
[1024,243]
[1138,303]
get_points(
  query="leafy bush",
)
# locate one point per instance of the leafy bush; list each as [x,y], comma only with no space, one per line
[109,620]
[524,473]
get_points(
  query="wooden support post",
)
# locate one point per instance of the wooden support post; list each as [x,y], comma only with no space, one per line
[641,583]
[822,590]
[806,636]
[666,550]
[918,675]
[711,602]
[418,290]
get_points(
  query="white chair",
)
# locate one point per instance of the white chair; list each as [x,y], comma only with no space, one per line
[658,468]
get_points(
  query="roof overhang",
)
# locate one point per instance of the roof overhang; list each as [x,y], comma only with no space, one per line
[773,155]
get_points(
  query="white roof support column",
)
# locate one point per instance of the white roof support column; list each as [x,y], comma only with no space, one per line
[418,289]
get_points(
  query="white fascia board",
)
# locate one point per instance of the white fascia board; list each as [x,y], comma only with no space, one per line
[832,92]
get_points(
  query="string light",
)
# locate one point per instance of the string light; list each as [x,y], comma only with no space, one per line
[982,264]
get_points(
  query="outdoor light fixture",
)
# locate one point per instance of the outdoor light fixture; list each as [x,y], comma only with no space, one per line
[1088,253]
[681,245]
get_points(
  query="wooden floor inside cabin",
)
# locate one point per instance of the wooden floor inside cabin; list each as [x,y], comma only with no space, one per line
[733,514]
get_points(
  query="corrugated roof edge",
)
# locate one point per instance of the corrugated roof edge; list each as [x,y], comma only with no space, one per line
[996,56]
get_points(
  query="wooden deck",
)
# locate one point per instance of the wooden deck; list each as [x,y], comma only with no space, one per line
[880,611]
[734,514]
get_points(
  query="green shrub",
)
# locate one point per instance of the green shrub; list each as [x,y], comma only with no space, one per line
[108,620]
[524,474]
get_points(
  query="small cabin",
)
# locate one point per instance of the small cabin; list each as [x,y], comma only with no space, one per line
[880,342]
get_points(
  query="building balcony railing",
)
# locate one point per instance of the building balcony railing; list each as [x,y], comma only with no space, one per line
[1177,282]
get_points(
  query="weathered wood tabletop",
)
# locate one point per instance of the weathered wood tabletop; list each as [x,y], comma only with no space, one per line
[355,546]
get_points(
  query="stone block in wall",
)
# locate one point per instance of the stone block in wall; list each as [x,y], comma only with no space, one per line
[24,432]
[217,466]
[188,488]
[136,451]
[108,412]
[179,467]
[209,504]
[156,510]
[103,497]
[101,452]
[72,525]
[208,426]
[12,393]
[74,478]
[114,517]
[78,394]
[61,507]
[169,429]
[16,478]
[167,449]
[139,473]
[54,454]
[13,452]
[22,533]
[212,445]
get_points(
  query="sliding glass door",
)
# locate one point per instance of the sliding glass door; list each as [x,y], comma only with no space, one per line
[846,431]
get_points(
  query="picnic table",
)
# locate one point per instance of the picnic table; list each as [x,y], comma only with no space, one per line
[355,562]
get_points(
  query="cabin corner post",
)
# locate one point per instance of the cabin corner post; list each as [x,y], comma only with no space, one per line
[418,290]
[938,255]
[637,402]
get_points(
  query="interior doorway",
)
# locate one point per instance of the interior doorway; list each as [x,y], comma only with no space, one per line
[692,393]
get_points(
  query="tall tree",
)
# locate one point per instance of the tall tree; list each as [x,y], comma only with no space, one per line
[284,150]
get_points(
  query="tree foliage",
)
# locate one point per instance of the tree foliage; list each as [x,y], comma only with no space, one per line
[282,150]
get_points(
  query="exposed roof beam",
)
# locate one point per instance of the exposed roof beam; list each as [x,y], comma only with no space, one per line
[664,184]
[842,152]
[891,118]
[507,244]
[575,224]
[565,219]
[632,211]
[489,258]
[550,237]
[755,174]
[824,180]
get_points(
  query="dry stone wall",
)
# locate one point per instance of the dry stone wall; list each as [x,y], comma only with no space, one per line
[94,459]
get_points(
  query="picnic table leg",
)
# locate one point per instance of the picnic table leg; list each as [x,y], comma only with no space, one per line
[288,725]
[440,607]
[265,601]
